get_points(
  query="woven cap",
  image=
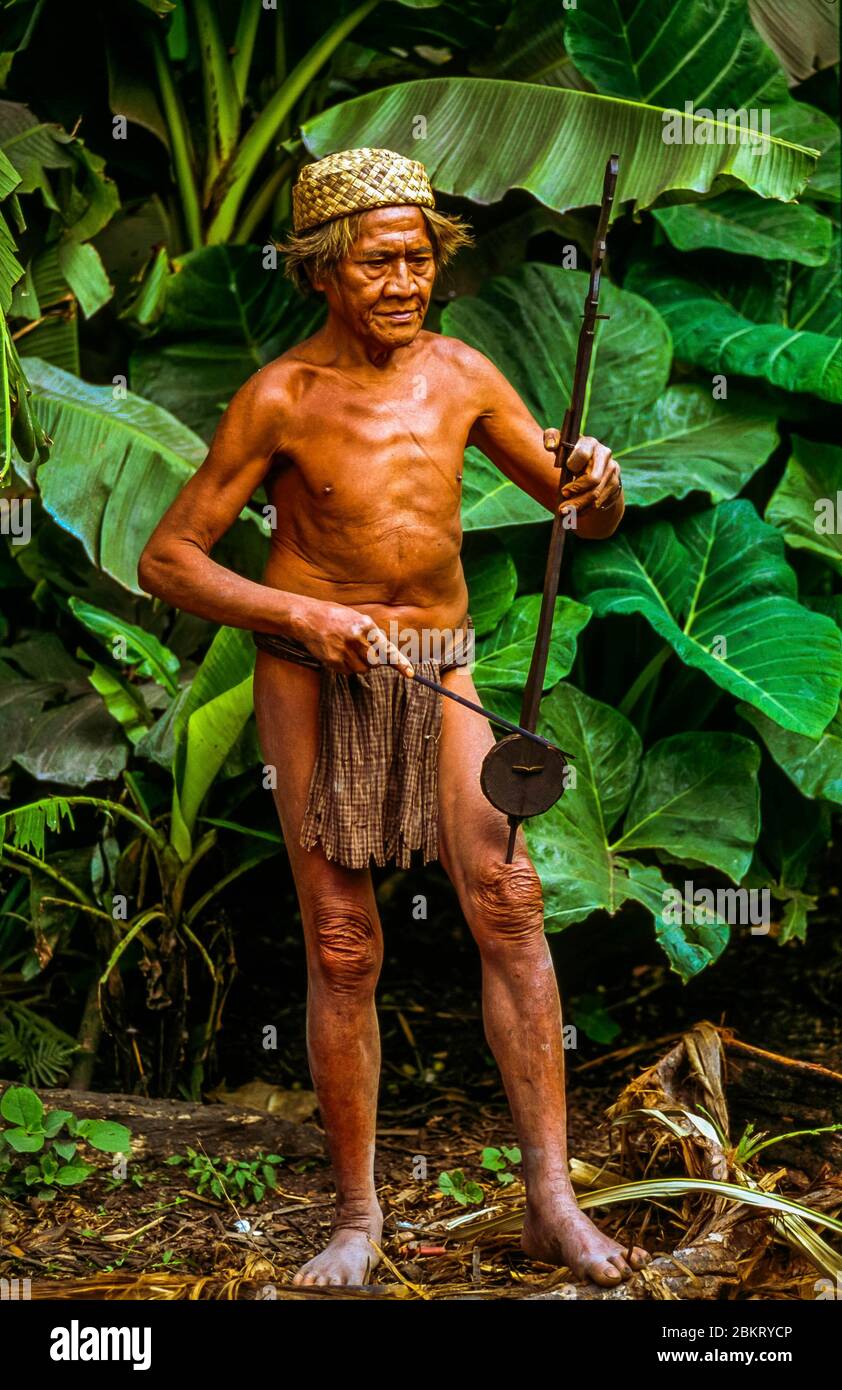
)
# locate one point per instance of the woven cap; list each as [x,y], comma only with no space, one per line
[355,181]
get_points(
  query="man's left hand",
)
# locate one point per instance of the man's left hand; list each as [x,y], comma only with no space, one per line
[597,484]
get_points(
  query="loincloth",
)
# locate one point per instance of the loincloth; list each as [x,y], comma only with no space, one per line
[374,788]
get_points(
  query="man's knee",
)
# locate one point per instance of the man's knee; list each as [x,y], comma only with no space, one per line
[507,905]
[348,944]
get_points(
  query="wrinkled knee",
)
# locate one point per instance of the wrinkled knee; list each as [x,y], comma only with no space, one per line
[507,906]
[348,945]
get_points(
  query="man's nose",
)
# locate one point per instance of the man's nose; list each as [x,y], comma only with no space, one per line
[400,280]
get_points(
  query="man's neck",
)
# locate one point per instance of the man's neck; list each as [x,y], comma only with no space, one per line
[347,348]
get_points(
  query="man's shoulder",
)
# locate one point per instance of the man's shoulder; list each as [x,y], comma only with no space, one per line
[455,353]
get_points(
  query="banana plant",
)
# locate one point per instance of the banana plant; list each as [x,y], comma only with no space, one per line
[153,859]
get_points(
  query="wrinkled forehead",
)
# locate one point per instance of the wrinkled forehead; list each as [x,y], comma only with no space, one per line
[391,229]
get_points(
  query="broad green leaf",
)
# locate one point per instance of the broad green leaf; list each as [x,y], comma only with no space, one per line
[807,125]
[745,225]
[492,582]
[207,726]
[571,845]
[503,658]
[686,441]
[814,765]
[551,142]
[85,274]
[115,467]
[697,798]
[528,325]
[20,1106]
[22,1141]
[129,644]
[717,587]
[74,744]
[71,1174]
[791,345]
[669,53]
[106,1135]
[805,38]
[54,1121]
[807,503]
[489,499]
[226,314]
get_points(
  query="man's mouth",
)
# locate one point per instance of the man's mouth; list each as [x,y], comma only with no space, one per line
[399,315]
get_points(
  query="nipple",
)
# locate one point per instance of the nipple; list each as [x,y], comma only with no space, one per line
[327,488]
[458,477]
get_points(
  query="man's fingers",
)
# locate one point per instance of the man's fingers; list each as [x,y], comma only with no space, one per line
[583,453]
[610,487]
[381,652]
[552,440]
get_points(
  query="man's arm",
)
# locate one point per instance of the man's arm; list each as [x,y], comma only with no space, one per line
[509,435]
[176,564]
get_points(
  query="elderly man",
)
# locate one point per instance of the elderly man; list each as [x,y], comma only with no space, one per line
[358,436]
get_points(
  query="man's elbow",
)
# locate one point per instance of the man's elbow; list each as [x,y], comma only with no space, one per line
[155,570]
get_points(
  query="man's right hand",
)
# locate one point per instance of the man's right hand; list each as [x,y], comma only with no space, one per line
[347,641]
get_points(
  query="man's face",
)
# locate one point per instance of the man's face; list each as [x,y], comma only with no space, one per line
[382,288]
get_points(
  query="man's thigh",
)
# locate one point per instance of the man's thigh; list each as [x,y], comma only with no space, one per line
[473,836]
[286,706]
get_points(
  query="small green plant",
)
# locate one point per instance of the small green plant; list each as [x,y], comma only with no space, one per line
[750,1143]
[231,1178]
[454,1184]
[497,1161]
[39,1149]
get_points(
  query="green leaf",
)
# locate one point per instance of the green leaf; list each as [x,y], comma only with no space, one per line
[583,871]
[671,52]
[744,325]
[142,650]
[116,467]
[807,502]
[226,315]
[528,324]
[64,1149]
[551,142]
[74,744]
[717,587]
[22,1107]
[503,658]
[107,1135]
[813,765]
[23,1142]
[697,798]
[123,701]
[71,1174]
[686,441]
[207,725]
[54,1120]
[745,225]
[491,577]
[85,274]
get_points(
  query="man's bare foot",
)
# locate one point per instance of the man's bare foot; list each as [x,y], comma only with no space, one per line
[559,1233]
[348,1258]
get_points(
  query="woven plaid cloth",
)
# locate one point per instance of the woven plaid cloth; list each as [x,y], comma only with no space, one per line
[374,787]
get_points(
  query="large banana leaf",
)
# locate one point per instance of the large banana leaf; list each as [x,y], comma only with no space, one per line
[207,724]
[752,324]
[481,137]
[669,441]
[224,316]
[717,587]
[807,501]
[694,795]
[115,466]
[746,225]
[491,577]
[669,52]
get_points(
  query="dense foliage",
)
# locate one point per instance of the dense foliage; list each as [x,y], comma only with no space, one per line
[147,151]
